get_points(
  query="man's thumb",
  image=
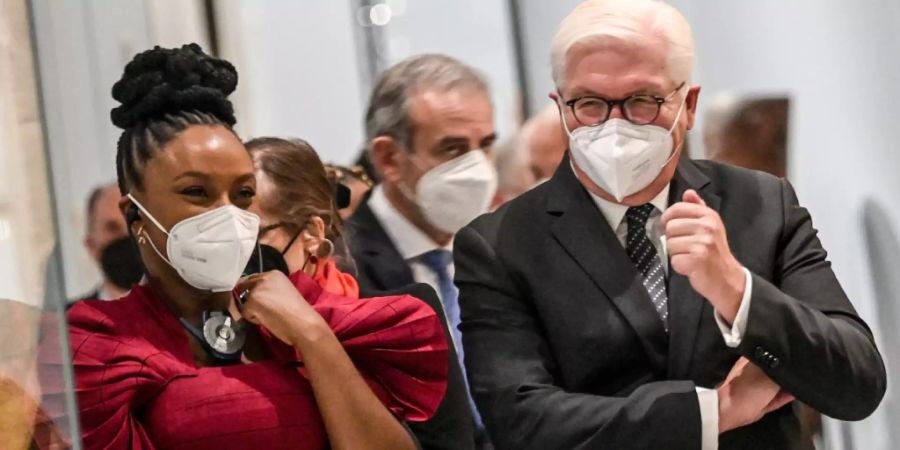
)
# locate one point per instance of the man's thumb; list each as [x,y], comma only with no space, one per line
[691,196]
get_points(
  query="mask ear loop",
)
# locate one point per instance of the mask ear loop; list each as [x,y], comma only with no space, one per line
[291,243]
[143,236]
[675,124]
[410,193]
[146,237]
[147,213]
[293,239]
[562,114]
[259,254]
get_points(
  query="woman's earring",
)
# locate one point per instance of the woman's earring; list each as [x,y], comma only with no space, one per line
[141,239]
[330,245]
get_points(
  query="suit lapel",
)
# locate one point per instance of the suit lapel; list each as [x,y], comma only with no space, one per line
[378,260]
[583,232]
[686,306]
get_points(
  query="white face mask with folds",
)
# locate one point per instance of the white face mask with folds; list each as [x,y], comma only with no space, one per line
[210,250]
[620,157]
[454,193]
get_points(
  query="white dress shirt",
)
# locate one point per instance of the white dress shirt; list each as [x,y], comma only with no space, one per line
[614,213]
[409,240]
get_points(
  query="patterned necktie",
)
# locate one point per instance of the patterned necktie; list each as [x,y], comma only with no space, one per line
[439,262]
[646,260]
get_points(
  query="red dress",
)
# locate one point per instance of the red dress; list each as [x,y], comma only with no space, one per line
[138,387]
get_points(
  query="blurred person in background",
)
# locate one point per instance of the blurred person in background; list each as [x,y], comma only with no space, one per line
[200,356]
[302,230]
[299,214]
[643,300]
[750,133]
[545,142]
[109,245]
[515,174]
[430,125]
[357,182]
[364,161]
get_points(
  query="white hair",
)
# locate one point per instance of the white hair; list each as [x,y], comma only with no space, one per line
[595,23]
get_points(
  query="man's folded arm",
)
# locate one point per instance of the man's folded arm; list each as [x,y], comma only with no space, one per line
[510,369]
[803,331]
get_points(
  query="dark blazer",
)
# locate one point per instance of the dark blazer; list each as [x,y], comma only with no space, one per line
[565,351]
[381,268]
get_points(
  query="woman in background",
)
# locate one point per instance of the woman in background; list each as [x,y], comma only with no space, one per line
[190,360]
[357,182]
[302,232]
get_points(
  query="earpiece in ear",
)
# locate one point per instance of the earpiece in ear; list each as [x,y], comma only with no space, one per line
[132,215]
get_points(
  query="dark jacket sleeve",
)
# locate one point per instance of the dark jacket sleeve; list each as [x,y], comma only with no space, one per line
[452,426]
[803,331]
[511,373]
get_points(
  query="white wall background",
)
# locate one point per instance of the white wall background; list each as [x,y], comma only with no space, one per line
[299,72]
[539,21]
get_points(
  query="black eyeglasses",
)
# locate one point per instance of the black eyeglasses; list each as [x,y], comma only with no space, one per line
[638,109]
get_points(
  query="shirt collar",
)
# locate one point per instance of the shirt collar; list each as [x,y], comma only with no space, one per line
[615,212]
[409,240]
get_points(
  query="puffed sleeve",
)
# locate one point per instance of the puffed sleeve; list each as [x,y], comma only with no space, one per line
[396,343]
[114,375]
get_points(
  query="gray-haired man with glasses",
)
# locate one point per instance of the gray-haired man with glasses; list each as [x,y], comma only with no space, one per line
[641,300]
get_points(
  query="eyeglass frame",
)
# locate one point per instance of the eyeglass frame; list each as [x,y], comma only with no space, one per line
[660,100]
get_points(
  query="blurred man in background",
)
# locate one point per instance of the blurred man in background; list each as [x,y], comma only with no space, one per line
[531,156]
[749,133]
[545,142]
[515,173]
[108,244]
[430,125]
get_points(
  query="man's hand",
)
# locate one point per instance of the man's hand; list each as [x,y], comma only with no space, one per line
[698,249]
[747,395]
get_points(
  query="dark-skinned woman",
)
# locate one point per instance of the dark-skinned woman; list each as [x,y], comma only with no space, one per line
[199,358]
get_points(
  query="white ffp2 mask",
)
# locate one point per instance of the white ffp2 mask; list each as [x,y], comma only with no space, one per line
[620,157]
[454,193]
[210,250]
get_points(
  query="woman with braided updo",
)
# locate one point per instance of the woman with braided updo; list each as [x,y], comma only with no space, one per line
[198,357]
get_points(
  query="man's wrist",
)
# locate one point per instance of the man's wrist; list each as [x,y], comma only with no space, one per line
[732,291]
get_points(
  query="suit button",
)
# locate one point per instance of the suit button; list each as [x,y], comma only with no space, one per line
[759,353]
[774,362]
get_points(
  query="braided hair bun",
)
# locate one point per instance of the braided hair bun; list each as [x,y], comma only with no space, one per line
[163,81]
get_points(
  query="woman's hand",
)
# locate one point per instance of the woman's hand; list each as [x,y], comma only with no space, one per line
[271,300]
[354,416]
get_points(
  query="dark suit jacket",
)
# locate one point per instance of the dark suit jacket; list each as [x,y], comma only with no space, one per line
[565,351]
[380,267]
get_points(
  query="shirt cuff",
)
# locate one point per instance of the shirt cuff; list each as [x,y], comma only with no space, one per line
[709,418]
[735,333]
